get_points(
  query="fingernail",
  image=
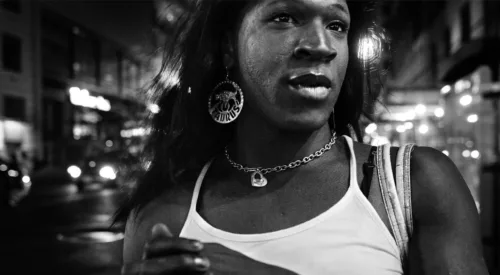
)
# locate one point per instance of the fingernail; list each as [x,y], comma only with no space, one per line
[160,229]
[197,245]
[202,263]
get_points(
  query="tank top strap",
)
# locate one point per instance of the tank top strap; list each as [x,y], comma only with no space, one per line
[353,178]
[197,188]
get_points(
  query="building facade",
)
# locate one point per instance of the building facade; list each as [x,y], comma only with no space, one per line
[443,92]
[18,78]
[69,85]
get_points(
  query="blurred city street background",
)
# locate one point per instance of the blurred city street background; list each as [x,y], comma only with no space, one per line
[67,232]
[74,106]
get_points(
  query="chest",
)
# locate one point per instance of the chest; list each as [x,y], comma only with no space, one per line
[289,199]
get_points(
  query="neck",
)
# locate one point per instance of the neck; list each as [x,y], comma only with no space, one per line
[258,144]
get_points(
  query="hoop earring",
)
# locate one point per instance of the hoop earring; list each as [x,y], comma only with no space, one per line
[225,102]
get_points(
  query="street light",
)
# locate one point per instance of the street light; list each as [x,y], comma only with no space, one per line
[475,154]
[372,127]
[423,129]
[401,128]
[154,108]
[465,100]
[408,125]
[420,109]
[370,47]
[446,89]
[473,118]
[439,112]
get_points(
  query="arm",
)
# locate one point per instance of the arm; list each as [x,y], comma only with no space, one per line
[222,259]
[446,237]
[133,241]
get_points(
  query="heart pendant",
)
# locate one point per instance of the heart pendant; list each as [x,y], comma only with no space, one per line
[258,179]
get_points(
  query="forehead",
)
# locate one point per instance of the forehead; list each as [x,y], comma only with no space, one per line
[320,5]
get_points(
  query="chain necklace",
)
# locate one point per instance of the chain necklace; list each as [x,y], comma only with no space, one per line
[257,177]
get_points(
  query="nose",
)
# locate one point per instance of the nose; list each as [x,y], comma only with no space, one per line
[316,44]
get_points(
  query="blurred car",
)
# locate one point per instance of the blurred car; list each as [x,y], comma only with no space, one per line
[14,183]
[111,169]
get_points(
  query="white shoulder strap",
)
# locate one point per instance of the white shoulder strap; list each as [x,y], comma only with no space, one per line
[403,184]
[396,193]
[390,198]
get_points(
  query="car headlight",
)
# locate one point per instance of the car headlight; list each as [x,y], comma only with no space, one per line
[26,181]
[13,173]
[74,171]
[107,172]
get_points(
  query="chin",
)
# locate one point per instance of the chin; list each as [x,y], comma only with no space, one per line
[305,122]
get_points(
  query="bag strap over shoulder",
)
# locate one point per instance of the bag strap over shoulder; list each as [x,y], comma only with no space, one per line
[403,184]
[396,193]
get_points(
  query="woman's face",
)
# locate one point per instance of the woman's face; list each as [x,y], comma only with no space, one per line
[291,60]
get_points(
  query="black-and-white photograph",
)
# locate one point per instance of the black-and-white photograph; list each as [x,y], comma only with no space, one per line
[250,137]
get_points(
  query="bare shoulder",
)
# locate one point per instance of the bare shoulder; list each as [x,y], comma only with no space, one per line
[437,185]
[446,237]
[170,208]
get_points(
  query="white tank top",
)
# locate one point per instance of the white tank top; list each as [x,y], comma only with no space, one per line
[348,238]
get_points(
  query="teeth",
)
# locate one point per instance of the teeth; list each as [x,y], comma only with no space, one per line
[314,90]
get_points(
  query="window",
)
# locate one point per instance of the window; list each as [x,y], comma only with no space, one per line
[11,53]
[11,5]
[56,51]
[14,107]
[109,68]
[465,20]
[86,56]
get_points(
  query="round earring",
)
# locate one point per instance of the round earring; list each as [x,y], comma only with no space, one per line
[225,101]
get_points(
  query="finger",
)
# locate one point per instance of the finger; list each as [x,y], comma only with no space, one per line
[160,230]
[178,264]
[167,247]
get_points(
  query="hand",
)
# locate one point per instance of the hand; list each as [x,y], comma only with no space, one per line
[227,261]
[166,254]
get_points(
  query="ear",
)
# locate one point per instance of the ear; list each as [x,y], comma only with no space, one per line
[228,51]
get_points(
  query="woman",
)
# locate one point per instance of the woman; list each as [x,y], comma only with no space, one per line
[264,182]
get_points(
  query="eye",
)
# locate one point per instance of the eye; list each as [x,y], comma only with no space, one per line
[283,18]
[338,27]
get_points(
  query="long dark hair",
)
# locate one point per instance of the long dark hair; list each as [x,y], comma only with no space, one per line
[183,136]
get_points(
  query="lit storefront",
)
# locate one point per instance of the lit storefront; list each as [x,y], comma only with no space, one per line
[100,123]
[15,133]
[461,125]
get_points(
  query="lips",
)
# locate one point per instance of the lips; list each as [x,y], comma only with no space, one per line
[311,81]
[311,86]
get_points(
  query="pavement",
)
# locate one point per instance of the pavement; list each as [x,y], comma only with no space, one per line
[58,230]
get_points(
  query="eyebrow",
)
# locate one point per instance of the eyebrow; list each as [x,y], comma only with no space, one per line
[340,7]
[334,6]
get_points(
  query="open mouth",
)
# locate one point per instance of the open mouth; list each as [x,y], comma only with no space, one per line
[311,81]
[311,85]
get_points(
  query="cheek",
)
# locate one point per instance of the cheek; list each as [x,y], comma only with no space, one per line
[260,59]
[344,55]
[343,61]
